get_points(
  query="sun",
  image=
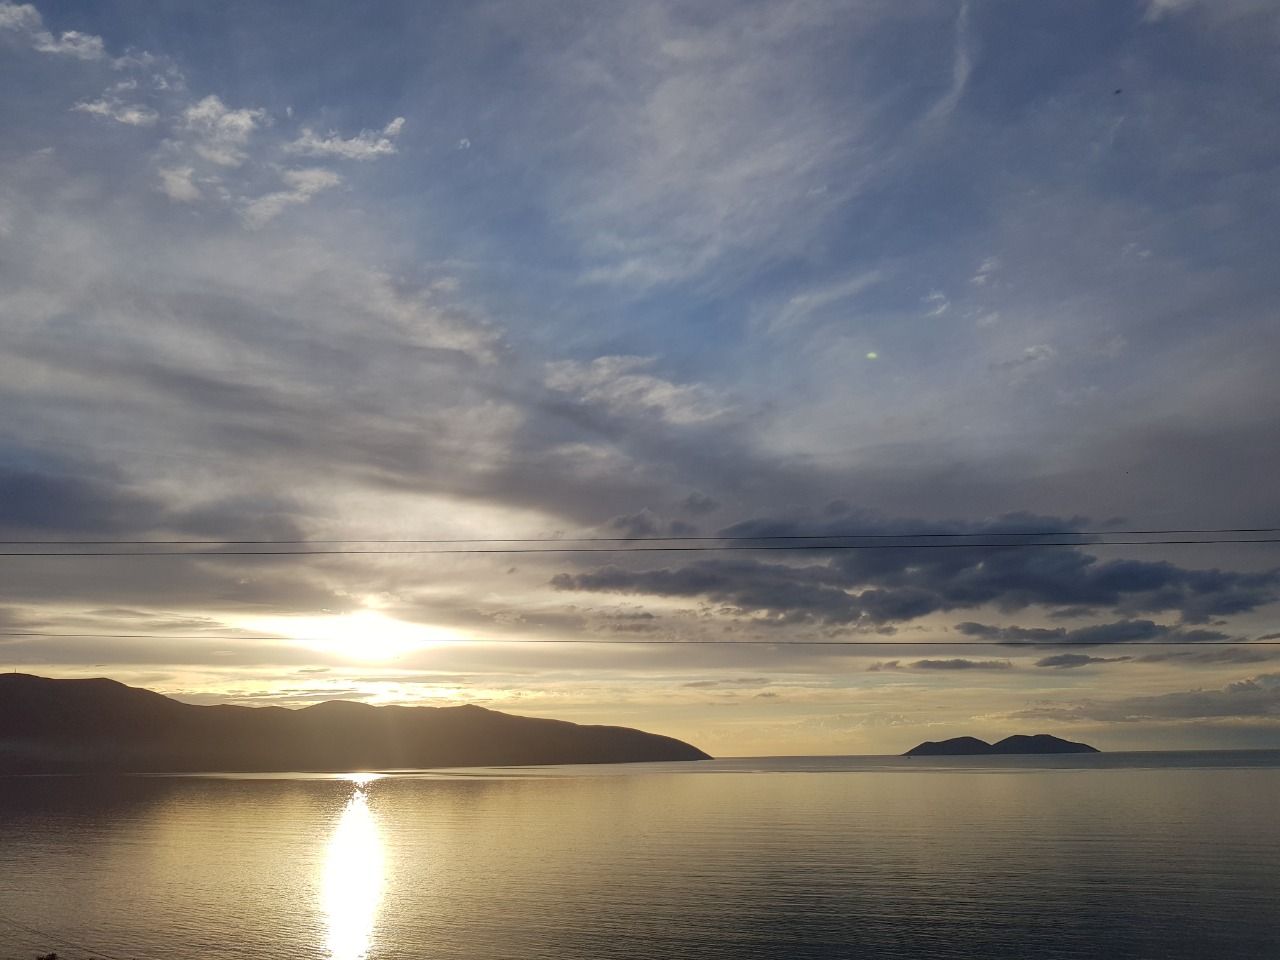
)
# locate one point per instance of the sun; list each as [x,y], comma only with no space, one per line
[365,635]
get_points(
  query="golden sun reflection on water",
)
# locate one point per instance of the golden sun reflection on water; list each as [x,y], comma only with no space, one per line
[353,876]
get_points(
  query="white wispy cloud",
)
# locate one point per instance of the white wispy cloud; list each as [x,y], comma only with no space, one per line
[366,145]
[20,16]
[1219,12]
[936,303]
[25,19]
[1159,9]
[177,184]
[1028,364]
[804,305]
[620,386]
[302,186]
[961,67]
[131,114]
[698,139]
[986,270]
[219,133]
[72,43]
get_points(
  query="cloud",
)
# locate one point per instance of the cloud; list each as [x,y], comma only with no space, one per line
[1121,631]
[817,301]
[1255,697]
[1195,658]
[955,663]
[618,385]
[218,133]
[177,184]
[936,304]
[302,186]
[72,43]
[699,503]
[884,586]
[1030,363]
[1010,634]
[961,67]
[642,524]
[129,114]
[885,665]
[25,20]
[959,663]
[986,270]
[21,17]
[1159,9]
[86,500]
[691,143]
[366,145]
[1068,661]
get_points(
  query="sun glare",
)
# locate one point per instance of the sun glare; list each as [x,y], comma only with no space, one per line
[353,877]
[366,635]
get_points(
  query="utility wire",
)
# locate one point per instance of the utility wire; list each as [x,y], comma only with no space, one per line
[662,642]
[811,547]
[650,539]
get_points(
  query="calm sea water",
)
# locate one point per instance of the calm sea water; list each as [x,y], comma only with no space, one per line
[1115,855]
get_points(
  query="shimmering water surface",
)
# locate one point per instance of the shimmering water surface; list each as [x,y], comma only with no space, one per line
[1116,855]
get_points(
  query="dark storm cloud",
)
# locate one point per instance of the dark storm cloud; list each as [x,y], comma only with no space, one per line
[883,586]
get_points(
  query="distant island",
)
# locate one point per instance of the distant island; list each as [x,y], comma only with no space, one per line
[1017,744]
[77,726]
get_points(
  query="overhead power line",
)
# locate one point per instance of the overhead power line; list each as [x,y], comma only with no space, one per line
[1205,531]
[706,548]
[632,641]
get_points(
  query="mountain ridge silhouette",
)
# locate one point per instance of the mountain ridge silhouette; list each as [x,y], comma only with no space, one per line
[102,725]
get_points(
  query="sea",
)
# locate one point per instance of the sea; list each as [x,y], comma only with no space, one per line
[1114,855]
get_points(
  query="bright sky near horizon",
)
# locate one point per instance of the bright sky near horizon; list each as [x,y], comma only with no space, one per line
[513,269]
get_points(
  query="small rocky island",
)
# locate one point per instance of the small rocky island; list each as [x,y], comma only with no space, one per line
[1040,743]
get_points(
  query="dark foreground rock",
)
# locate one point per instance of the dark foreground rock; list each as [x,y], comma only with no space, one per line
[104,726]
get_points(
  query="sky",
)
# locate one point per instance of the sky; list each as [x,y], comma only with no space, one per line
[556,269]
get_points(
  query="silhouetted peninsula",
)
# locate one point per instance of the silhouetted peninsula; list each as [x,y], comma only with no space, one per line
[1017,744]
[104,726]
